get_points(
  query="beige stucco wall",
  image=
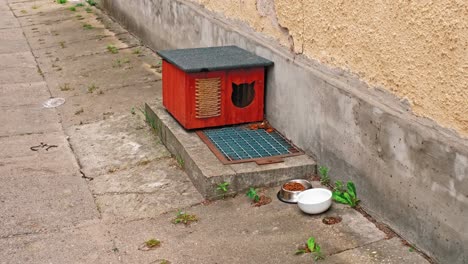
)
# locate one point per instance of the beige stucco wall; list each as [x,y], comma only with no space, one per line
[415,49]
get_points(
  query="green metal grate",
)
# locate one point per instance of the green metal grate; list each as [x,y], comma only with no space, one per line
[241,144]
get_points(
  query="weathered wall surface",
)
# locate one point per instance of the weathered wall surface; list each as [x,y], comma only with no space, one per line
[410,172]
[415,49]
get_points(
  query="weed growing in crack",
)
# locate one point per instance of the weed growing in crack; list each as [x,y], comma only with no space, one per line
[112,49]
[143,162]
[345,195]
[65,87]
[324,177]
[87,26]
[184,218]
[120,62]
[180,161]
[35,7]
[62,44]
[153,243]
[253,194]
[24,11]
[311,246]
[79,5]
[92,88]
[223,187]
[73,9]
[79,111]
[61,2]
[137,51]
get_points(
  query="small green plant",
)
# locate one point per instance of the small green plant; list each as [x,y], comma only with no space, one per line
[132,111]
[179,159]
[79,5]
[24,11]
[120,62]
[253,194]
[35,7]
[184,218]
[73,9]
[79,17]
[346,195]
[88,10]
[61,2]
[151,122]
[91,2]
[79,111]
[92,88]
[324,177]
[313,247]
[223,187]
[112,49]
[152,243]
[137,51]
[87,26]
[62,44]
[65,87]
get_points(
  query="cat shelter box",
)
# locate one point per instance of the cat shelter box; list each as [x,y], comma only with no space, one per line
[216,86]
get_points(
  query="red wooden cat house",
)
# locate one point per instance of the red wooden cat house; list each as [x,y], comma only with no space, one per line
[216,86]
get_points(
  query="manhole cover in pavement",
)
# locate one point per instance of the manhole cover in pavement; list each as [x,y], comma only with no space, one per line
[53,102]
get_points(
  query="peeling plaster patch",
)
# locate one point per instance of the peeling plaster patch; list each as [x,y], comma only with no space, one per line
[450,189]
[461,167]
[399,149]
[416,49]
[436,187]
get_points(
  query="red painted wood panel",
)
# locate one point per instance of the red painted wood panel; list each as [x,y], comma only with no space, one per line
[179,96]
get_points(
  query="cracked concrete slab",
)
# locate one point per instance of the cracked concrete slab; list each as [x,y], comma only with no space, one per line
[390,251]
[33,203]
[7,19]
[20,146]
[77,49]
[89,244]
[146,190]
[63,33]
[115,143]
[17,60]
[20,75]
[28,119]
[39,7]
[267,234]
[13,40]
[20,94]
[87,108]
[54,17]
[17,158]
[100,72]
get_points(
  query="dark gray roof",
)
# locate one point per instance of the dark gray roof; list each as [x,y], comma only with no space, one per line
[213,59]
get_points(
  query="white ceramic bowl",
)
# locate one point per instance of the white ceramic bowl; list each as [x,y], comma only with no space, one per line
[314,201]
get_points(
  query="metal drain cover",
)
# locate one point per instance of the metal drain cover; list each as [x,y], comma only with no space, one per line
[241,144]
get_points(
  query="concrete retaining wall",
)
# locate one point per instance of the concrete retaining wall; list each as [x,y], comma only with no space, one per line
[410,172]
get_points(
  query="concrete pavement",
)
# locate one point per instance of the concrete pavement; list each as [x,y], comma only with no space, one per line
[107,184]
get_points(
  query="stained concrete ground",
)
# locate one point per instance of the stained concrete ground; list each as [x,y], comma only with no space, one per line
[108,185]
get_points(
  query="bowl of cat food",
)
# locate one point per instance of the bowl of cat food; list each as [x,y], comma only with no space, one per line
[291,189]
